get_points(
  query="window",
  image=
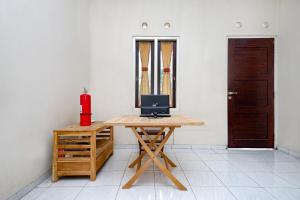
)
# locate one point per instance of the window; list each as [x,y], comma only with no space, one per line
[155,68]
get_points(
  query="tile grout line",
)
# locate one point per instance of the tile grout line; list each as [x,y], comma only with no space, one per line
[217,177]
[79,192]
[260,186]
[120,184]
[47,188]
[185,176]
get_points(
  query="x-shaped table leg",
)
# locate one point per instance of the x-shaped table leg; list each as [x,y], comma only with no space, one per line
[153,157]
[152,144]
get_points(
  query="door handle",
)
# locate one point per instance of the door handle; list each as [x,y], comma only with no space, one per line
[232,93]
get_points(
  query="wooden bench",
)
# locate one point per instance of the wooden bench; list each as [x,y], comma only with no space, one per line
[81,150]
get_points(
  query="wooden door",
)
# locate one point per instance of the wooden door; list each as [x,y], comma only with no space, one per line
[251,93]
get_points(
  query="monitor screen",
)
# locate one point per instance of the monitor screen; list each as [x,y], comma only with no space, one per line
[156,105]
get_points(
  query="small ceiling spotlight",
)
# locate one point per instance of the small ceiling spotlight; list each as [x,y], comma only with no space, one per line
[265,25]
[238,24]
[167,25]
[144,25]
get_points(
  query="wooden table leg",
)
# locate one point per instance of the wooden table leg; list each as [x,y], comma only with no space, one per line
[168,159]
[137,174]
[54,157]
[153,156]
[151,143]
[93,156]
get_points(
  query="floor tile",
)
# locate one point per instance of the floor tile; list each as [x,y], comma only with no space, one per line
[249,166]
[112,165]
[212,193]
[236,179]
[292,178]
[226,151]
[279,157]
[121,155]
[285,193]
[248,174]
[212,156]
[243,193]
[193,165]
[187,150]
[203,151]
[163,180]
[46,183]
[71,182]
[186,156]
[146,179]
[170,193]
[221,166]
[109,178]
[60,193]
[137,193]
[243,158]
[285,167]
[98,193]
[201,178]
[268,179]
[34,194]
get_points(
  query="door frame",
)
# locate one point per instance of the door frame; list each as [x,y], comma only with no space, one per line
[275,80]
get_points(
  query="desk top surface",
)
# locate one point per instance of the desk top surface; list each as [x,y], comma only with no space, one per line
[76,127]
[135,120]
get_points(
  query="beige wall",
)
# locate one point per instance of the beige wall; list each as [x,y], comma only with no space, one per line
[203,27]
[43,67]
[289,82]
[44,63]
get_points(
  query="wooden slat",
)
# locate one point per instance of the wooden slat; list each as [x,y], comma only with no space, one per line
[54,157]
[82,159]
[73,133]
[102,148]
[73,173]
[108,131]
[95,126]
[81,153]
[78,140]
[79,146]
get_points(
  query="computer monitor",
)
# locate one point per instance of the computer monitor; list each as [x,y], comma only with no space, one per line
[155,106]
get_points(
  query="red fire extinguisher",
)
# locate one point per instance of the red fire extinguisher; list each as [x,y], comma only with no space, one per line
[85,109]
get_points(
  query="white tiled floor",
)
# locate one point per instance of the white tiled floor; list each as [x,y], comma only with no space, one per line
[208,175]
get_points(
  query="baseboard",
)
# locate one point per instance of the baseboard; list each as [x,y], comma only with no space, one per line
[175,146]
[290,152]
[25,190]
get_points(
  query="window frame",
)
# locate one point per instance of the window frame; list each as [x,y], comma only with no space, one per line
[175,66]
[137,72]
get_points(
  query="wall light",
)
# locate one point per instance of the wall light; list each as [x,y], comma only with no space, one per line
[167,25]
[265,25]
[238,24]
[144,25]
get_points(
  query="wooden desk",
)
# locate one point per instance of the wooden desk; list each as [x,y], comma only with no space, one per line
[81,150]
[140,123]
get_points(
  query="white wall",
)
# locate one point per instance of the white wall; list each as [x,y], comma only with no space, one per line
[43,68]
[289,71]
[203,27]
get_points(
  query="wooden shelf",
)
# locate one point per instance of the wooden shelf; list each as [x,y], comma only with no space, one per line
[81,150]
